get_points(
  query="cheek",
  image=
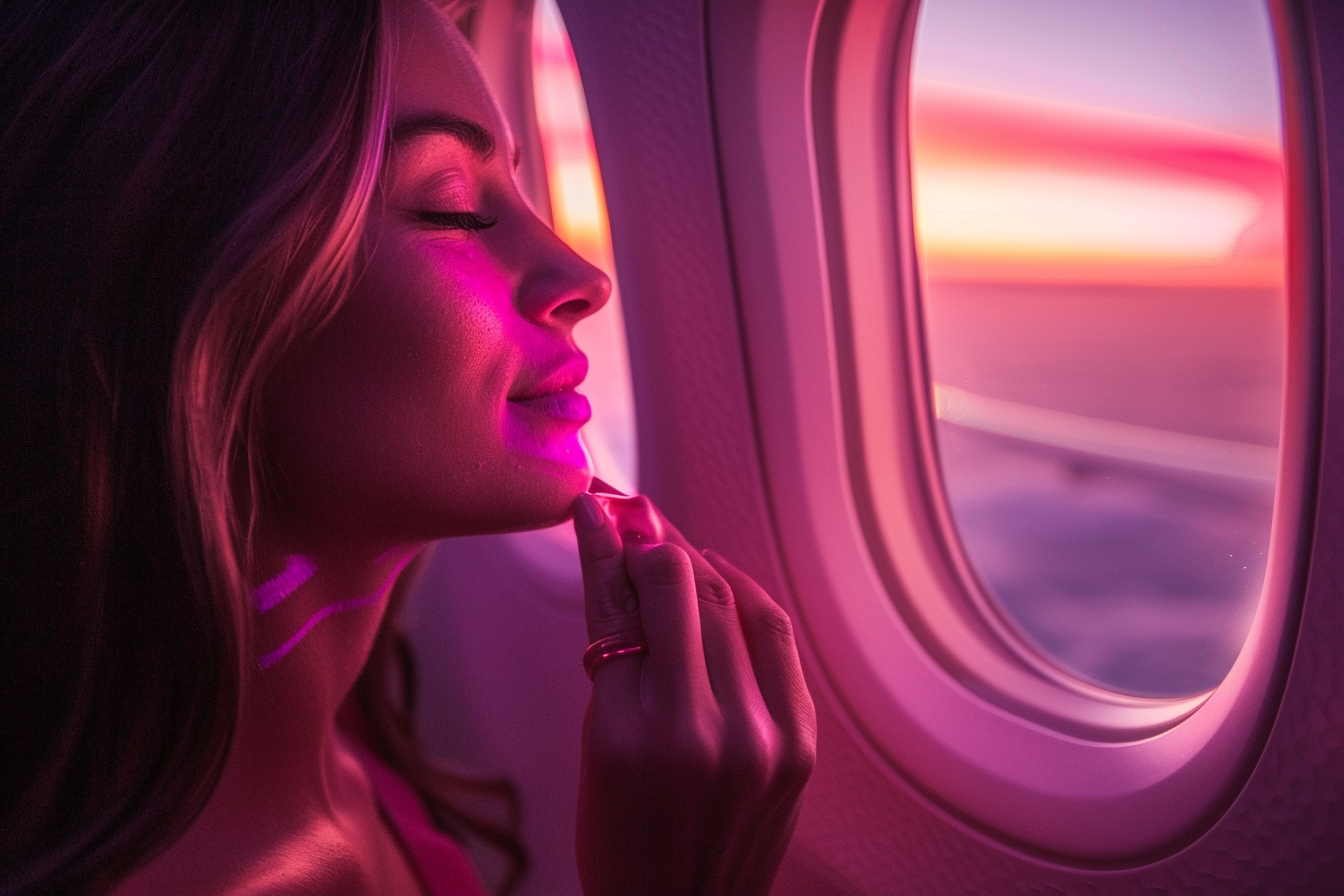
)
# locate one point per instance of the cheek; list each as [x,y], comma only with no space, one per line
[444,312]
[401,395]
[395,418]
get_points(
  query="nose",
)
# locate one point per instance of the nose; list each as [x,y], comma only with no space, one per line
[558,288]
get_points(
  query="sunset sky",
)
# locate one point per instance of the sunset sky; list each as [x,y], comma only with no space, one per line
[1067,140]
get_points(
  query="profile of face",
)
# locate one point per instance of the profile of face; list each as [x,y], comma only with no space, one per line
[440,399]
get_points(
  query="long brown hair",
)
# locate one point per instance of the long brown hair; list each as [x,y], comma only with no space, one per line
[182,191]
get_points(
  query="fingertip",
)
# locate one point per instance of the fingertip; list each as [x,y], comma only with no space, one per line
[588,513]
[595,530]
[635,517]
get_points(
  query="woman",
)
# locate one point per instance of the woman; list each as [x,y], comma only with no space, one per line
[275,318]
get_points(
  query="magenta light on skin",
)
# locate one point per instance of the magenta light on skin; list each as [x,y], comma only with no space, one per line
[267,660]
[298,570]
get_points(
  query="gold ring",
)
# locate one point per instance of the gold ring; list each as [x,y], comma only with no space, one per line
[609,648]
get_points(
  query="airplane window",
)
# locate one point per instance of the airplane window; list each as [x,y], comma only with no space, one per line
[579,216]
[1099,216]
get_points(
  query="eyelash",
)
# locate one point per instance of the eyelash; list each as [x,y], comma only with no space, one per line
[458,220]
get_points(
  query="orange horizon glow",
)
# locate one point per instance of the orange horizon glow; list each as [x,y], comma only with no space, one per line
[578,205]
[1013,188]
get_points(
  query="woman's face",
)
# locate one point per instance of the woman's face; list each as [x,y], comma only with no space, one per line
[440,399]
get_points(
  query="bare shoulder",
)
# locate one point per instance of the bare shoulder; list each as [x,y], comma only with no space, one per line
[315,861]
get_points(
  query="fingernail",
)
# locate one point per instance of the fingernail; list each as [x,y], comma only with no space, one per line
[711,555]
[588,513]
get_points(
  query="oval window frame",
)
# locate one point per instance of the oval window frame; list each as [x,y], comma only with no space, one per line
[812,92]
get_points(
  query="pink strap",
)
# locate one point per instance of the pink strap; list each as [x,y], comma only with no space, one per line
[443,868]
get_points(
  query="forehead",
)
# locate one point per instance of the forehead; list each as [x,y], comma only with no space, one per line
[435,72]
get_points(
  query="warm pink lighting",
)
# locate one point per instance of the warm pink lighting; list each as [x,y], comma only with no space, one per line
[579,216]
[1029,189]
[578,208]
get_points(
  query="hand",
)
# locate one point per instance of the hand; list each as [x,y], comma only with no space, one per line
[695,753]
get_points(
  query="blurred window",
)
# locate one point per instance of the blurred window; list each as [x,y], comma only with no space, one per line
[1098,199]
[579,215]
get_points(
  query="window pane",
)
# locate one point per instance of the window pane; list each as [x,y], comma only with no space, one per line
[1098,197]
[579,216]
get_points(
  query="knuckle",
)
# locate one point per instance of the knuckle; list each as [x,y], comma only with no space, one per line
[798,764]
[713,589]
[664,564]
[774,620]
[797,760]
[614,596]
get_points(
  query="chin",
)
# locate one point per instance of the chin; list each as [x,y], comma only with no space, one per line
[534,496]
[547,482]
[552,500]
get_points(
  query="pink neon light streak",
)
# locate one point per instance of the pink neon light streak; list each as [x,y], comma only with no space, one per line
[267,660]
[298,570]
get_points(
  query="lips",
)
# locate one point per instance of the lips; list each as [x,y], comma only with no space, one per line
[551,394]
[566,405]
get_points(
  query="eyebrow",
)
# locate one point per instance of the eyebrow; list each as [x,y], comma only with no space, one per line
[476,138]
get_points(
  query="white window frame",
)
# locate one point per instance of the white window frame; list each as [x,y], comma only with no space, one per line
[805,96]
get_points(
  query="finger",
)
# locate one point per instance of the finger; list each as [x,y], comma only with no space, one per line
[730,673]
[665,581]
[729,665]
[731,676]
[637,520]
[611,606]
[774,655]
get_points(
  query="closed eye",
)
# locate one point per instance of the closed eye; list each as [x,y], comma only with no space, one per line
[458,220]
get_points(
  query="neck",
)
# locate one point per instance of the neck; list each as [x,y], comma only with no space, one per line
[291,801]
[317,612]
